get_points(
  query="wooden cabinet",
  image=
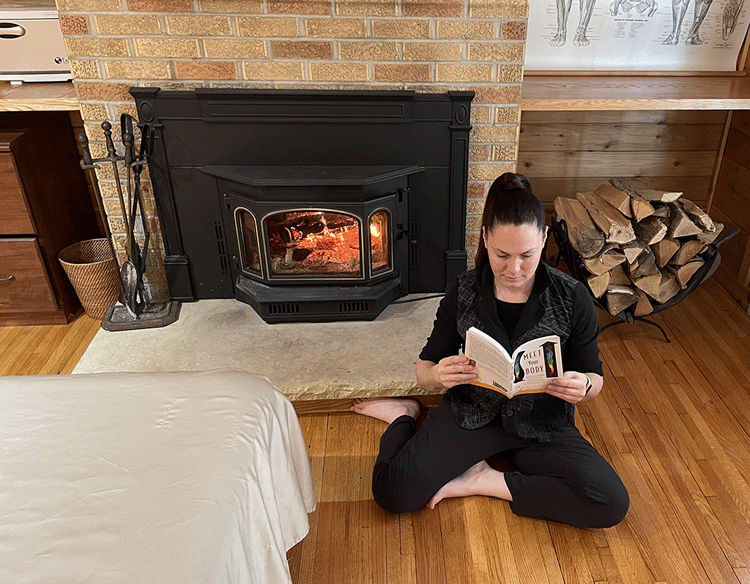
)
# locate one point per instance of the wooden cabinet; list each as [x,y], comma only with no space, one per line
[45,205]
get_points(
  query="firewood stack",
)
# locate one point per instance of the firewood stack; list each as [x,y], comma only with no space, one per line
[640,247]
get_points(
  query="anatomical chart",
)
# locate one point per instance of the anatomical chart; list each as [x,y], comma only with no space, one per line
[636,35]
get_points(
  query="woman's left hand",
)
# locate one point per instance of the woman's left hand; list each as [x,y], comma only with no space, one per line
[571,387]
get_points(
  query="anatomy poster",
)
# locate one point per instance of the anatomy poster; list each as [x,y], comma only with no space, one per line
[635,35]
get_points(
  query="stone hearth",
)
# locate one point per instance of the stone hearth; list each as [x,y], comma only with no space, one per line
[307,361]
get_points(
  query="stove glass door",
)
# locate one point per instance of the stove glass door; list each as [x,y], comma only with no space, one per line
[314,242]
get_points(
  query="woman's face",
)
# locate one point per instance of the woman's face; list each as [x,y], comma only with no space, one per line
[514,252]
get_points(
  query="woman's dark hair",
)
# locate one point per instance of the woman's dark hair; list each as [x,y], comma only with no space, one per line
[509,202]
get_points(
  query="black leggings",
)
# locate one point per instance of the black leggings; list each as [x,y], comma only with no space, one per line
[565,479]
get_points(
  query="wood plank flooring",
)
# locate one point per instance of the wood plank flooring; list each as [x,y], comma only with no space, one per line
[673,418]
[45,350]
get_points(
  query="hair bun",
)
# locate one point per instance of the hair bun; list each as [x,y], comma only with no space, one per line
[512,180]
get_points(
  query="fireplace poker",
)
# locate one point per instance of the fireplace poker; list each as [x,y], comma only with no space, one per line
[134,165]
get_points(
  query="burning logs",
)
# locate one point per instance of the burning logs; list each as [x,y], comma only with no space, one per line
[640,247]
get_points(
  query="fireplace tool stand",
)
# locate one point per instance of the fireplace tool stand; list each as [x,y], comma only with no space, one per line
[135,311]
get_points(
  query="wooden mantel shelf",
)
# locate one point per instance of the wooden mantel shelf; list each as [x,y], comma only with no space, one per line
[38,97]
[591,93]
[539,93]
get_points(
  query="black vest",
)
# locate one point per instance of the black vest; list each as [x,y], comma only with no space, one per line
[548,311]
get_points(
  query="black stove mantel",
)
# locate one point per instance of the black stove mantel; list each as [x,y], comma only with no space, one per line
[398,157]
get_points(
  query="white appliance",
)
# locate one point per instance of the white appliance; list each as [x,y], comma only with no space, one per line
[31,42]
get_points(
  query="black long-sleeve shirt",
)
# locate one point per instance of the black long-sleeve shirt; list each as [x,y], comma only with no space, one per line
[557,305]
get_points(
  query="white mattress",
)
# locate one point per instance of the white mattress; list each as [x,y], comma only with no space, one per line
[163,478]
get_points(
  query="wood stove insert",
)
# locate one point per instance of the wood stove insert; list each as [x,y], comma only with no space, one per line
[315,243]
[309,205]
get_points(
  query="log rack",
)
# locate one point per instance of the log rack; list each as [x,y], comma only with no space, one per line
[576,267]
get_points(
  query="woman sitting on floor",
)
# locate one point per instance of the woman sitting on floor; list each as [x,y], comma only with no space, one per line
[513,297]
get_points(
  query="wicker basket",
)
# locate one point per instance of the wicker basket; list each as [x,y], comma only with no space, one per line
[92,270]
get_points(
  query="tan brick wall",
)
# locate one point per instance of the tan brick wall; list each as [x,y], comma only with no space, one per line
[422,45]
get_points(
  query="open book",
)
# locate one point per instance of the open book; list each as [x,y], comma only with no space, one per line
[528,370]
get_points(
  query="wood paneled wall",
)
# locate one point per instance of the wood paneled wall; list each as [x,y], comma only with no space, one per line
[565,152]
[731,206]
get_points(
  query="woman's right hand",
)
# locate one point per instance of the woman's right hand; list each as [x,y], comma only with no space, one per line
[448,372]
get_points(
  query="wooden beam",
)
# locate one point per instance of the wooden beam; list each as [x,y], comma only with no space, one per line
[592,92]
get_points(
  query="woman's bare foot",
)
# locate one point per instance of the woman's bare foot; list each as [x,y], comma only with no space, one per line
[480,479]
[386,409]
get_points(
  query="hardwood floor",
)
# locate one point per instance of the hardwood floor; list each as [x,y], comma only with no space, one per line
[673,418]
[45,350]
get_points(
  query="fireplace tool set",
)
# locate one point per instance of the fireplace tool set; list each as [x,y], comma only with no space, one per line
[135,311]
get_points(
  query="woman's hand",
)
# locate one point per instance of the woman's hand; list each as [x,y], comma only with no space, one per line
[448,372]
[571,387]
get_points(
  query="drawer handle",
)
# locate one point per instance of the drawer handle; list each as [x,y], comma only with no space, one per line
[11,30]
[8,279]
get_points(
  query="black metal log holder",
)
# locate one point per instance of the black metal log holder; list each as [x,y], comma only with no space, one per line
[711,260]
[135,310]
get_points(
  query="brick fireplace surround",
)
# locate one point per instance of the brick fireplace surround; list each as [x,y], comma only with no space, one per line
[429,46]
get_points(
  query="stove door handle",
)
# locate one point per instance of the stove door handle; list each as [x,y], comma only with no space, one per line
[404,233]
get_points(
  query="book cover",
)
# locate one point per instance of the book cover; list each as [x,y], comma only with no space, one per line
[527,370]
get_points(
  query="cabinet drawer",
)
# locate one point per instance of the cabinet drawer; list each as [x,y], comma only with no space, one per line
[14,217]
[24,285]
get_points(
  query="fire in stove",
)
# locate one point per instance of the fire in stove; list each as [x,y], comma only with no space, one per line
[318,242]
[314,242]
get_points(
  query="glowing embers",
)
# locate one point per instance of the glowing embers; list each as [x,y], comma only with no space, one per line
[314,242]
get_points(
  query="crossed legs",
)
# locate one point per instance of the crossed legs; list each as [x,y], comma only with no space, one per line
[565,480]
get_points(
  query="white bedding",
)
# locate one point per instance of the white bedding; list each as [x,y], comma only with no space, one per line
[158,478]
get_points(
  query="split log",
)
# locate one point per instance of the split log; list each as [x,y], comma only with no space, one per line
[661,211]
[619,298]
[686,271]
[585,238]
[605,261]
[617,276]
[650,282]
[699,216]
[619,199]
[651,230]
[687,251]
[659,287]
[615,226]
[643,266]
[633,250]
[598,284]
[653,195]
[680,225]
[711,236]
[643,307]
[640,208]
[664,250]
